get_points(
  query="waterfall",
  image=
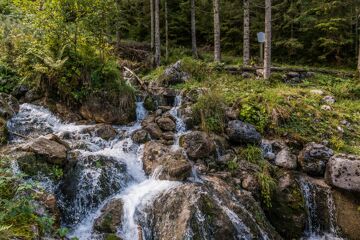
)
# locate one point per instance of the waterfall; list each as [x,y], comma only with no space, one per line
[315,228]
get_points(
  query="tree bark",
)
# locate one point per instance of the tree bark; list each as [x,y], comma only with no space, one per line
[267,55]
[166,32]
[118,32]
[358,67]
[152,24]
[217,39]
[157,34]
[193,29]
[246,45]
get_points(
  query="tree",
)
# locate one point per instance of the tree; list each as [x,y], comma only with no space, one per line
[267,55]
[166,31]
[157,34]
[118,30]
[193,29]
[217,39]
[152,23]
[358,66]
[246,44]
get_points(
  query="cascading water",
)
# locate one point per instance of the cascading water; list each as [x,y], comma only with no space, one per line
[315,229]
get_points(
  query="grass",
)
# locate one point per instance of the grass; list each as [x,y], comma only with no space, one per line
[278,109]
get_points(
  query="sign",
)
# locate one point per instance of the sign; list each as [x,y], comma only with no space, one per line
[261,37]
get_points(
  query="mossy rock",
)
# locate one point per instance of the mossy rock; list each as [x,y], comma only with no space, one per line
[3,132]
[150,103]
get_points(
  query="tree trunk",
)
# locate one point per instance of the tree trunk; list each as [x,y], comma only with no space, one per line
[246,57]
[217,44]
[118,32]
[193,30]
[166,32]
[152,24]
[358,67]
[267,57]
[157,34]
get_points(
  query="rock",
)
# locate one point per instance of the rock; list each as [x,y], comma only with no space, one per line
[347,213]
[259,72]
[20,91]
[104,107]
[343,171]
[207,211]
[317,92]
[197,145]
[172,165]
[293,75]
[286,159]
[169,136]
[166,124]
[242,133]
[154,130]
[49,147]
[313,158]
[111,217]
[288,212]
[174,75]
[89,180]
[9,106]
[32,95]
[104,131]
[326,108]
[249,183]
[140,136]
[247,75]
[329,100]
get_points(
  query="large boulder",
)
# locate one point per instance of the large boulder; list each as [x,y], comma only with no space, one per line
[343,171]
[110,218]
[166,124]
[288,212]
[140,136]
[208,211]
[49,147]
[197,145]
[313,158]
[347,213]
[242,133]
[174,75]
[88,180]
[154,130]
[172,165]
[106,107]
[286,159]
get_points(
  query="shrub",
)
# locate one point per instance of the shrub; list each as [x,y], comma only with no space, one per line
[209,111]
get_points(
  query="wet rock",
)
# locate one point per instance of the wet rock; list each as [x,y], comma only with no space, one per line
[313,158]
[20,91]
[104,131]
[347,213]
[9,106]
[104,107]
[170,165]
[48,147]
[286,159]
[288,212]
[111,217]
[154,130]
[88,181]
[208,211]
[140,136]
[197,145]
[343,171]
[174,75]
[166,124]
[169,136]
[242,133]
[32,95]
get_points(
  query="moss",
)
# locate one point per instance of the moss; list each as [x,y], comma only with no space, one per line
[251,154]
[3,132]
[112,237]
[149,104]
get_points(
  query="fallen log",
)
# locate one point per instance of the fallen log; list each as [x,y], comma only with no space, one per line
[237,70]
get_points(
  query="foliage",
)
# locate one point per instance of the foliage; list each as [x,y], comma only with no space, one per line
[267,184]
[251,154]
[209,111]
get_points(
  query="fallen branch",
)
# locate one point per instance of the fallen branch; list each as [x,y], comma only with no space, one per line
[142,84]
[235,70]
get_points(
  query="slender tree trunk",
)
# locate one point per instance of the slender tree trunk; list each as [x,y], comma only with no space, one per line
[217,39]
[193,29]
[166,32]
[246,54]
[118,32]
[267,57]
[358,67]
[152,24]
[157,34]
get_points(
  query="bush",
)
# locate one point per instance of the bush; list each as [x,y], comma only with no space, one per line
[209,111]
